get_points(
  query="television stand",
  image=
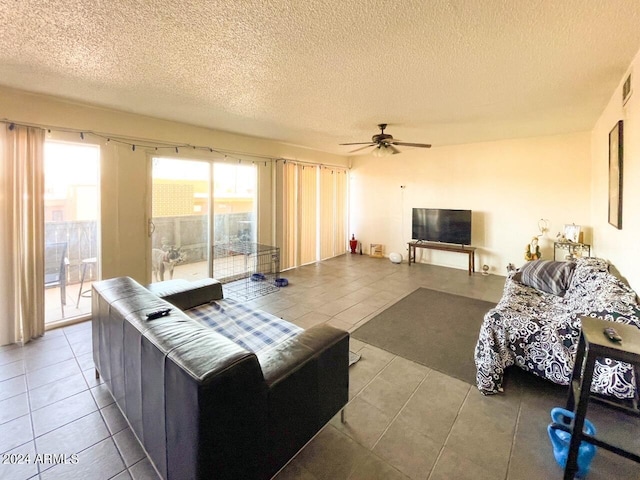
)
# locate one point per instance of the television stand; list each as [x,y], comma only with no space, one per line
[470,251]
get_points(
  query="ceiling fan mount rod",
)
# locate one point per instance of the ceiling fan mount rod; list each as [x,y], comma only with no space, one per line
[381,137]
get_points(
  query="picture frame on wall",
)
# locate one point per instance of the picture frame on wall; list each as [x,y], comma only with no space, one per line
[615,174]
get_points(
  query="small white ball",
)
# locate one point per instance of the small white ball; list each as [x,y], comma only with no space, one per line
[395,257]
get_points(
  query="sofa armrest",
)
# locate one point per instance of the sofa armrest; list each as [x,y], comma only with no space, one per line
[185,294]
[307,377]
[285,358]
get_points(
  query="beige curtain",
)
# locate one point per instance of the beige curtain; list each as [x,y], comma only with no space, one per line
[340,233]
[307,213]
[311,215]
[21,234]
[333,212]
[287,231]
[327,213]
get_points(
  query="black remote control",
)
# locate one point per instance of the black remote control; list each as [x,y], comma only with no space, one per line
[612,335]
[158,313]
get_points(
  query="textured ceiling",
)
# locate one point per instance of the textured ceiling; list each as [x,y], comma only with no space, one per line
[321,72]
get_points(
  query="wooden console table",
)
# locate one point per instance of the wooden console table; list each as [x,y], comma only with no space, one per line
[470,251]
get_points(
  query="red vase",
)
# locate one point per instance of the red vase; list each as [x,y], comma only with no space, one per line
[353,244]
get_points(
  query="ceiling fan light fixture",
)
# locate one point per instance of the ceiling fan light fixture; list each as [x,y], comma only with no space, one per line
[382,151]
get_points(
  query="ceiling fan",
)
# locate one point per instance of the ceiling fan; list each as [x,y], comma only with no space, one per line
[385,144]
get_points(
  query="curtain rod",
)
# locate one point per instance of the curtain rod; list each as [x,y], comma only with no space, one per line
[134,142]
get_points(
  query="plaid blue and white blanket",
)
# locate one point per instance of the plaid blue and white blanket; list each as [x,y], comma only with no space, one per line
[252,329]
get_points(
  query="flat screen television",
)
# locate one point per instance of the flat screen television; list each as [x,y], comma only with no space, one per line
[441,225]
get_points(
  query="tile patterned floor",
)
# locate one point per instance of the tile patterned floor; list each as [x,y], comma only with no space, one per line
[74,307]
[404,420]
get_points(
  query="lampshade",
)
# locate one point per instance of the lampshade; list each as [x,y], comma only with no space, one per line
[382,151]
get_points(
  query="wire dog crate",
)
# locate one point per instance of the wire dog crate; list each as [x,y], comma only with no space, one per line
[247,270]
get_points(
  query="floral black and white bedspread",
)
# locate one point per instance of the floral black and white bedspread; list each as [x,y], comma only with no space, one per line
[539,332]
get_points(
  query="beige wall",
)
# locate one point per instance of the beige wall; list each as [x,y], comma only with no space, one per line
[618,246]
[125,174]
[509,185]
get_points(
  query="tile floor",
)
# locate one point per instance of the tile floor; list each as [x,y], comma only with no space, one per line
[403,421]
[74,308]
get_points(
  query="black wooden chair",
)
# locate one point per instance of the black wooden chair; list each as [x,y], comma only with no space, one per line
[55,269]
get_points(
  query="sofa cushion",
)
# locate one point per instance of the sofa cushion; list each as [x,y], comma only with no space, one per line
[546,275]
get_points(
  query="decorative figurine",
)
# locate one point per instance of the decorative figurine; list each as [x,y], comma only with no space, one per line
[543,226]
[533,250]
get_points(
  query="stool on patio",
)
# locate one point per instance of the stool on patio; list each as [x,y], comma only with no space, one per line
[87,262]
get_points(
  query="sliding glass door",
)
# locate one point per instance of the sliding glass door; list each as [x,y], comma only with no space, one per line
[180,212]
[234,203]
[71,213]
[196,206]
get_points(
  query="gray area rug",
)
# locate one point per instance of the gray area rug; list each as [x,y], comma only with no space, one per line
[436,329]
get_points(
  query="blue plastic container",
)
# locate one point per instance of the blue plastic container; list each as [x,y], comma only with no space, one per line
[560,441]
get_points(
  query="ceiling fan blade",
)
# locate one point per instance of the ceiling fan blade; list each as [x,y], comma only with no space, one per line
[406,144]
[362,148]
[359,143]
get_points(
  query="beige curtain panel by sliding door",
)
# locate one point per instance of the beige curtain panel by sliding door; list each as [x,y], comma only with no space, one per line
[311,213]
[21,233]
[307,213]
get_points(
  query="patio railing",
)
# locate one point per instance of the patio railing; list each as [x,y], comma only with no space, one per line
[186,231]
[82,243]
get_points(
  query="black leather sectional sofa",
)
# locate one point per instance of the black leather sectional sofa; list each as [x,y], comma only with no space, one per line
[202,406]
